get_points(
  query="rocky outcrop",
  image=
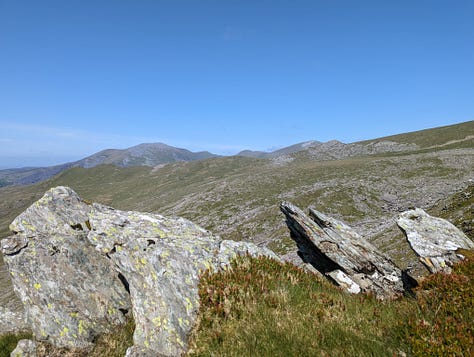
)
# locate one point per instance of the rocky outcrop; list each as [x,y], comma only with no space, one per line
[79,268]
[342,255]
[70,292]
[435,240]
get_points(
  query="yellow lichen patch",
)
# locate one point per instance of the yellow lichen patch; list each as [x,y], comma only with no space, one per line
[50,306]
[157,321]
[143,261]
[37,286]
[27,225]
[43,333]
[72,314]
[189,305]
[182,323]
[146,343]
[64,332]
[179,341]
[81,328]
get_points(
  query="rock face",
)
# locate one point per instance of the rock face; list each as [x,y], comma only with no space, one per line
[70,291]
[342,255]
[12,321]
[434,240]
[79,268]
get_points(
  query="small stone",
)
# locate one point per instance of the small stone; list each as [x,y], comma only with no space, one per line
[24,348]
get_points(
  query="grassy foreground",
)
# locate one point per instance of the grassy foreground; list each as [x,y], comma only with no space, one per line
[263,308]
[260,307]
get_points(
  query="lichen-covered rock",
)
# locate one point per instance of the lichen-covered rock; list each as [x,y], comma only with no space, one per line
[12,321]
[25,348]
[161,258]
[435,240]
[70,292]
[342,255]
[78,268]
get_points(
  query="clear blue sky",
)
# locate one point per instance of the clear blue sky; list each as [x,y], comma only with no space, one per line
[78,76]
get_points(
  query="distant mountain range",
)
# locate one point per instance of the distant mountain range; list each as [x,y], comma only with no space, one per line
[158,154]
[153,154]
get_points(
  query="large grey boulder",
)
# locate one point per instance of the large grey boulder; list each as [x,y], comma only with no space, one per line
[70,292]
[342,255]
[435,240]
[78,268]
[161,259]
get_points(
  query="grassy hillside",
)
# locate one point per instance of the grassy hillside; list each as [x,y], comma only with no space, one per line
[441,136]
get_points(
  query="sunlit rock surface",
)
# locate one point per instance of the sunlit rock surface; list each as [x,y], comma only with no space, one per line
[70,292]
[79,268]
[342,255]
[435,240]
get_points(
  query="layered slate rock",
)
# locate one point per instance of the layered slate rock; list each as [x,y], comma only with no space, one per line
[342,255]
[78,268]
[70,292]
[435,240]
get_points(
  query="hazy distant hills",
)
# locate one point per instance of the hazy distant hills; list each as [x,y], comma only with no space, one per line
[158,154]
[154,154]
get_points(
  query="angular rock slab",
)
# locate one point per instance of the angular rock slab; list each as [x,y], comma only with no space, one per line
[161,259]
[342,255]
[71,293]
[433,239]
